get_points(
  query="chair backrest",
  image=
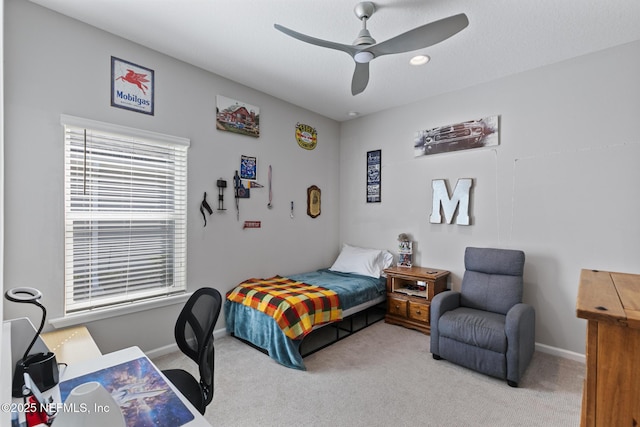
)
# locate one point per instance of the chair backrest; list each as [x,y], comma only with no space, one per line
[194,334]
[492,279]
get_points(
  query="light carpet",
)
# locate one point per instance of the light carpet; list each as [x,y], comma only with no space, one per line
[383,376]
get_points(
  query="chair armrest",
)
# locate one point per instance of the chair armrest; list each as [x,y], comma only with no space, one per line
[520,328]
[441,303]
[444,301]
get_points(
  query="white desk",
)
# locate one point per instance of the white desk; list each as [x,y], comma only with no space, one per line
[119,357]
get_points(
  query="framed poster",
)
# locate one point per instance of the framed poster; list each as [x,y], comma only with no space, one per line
[475,133]
[131,86]
[374,176]
[248,167]
[237,117]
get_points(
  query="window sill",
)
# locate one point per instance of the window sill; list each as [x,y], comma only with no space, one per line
[134,307]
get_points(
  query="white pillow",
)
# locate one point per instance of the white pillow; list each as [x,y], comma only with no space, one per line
[367,262]
[386,259]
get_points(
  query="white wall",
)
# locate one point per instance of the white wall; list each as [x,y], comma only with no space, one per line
[562,185]
[56,65]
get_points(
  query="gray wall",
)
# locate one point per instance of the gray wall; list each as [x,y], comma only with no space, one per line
[56,65]
[562,185]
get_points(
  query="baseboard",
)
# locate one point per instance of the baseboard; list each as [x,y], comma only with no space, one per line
[173,347]
[219,333]
[555,351]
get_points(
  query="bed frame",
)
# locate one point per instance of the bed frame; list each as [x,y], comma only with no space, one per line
[354,319]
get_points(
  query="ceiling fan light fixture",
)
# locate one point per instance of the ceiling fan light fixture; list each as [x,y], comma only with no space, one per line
[419,60]
[364,49]
[363,57]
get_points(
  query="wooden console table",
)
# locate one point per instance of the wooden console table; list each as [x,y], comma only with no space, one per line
[610,302]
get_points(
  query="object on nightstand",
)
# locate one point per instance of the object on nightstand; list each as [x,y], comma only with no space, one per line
[405,250]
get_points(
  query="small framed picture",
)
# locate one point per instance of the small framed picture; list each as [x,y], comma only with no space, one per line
[237,117]
[131,86]
[248,167]
[374,176]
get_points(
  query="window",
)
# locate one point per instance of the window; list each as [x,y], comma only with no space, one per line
[125,214]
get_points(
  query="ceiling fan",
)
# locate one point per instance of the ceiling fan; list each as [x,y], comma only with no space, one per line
[364,48]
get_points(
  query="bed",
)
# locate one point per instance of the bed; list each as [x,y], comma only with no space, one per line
[355,280]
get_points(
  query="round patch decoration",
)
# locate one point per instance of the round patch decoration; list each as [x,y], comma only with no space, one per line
[306,136]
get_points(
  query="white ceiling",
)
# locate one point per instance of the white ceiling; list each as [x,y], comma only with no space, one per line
[236,39]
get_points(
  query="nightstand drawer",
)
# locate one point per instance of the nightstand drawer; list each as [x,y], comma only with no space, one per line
[419,311]
[397,307]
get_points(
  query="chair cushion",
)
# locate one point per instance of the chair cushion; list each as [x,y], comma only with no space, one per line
[490,292]
[493,279]
[508,262]
[188,386]
[474,327]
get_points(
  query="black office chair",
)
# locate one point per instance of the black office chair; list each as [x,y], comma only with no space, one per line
[194,336]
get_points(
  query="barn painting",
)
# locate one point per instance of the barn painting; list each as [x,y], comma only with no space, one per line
[237,117]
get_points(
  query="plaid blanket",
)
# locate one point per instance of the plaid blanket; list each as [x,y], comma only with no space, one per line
[295,306]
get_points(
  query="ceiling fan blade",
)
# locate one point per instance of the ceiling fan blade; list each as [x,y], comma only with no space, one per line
[360,78]
[318,42]
[423,36]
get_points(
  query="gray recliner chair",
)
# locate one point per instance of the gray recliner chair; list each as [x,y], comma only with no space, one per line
[485,326]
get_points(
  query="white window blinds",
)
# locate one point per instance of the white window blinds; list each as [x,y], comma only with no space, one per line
[125,214]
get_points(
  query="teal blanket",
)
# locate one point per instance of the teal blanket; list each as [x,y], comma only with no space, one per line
[263,331]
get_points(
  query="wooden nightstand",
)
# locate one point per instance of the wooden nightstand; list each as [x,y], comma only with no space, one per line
[408,302]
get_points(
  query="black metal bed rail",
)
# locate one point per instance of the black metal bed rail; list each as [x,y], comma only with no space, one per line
[321,338]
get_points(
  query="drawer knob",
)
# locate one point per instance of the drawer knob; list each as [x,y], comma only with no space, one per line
[418,312]
[397,307]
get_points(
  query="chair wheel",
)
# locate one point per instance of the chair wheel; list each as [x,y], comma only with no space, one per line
[436,357]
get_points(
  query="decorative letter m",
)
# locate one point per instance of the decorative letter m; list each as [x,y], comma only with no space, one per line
[459,199]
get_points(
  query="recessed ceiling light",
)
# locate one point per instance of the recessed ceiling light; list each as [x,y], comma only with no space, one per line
[353,114]
[419,60]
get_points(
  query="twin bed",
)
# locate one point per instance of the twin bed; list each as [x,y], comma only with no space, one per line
[277,313]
